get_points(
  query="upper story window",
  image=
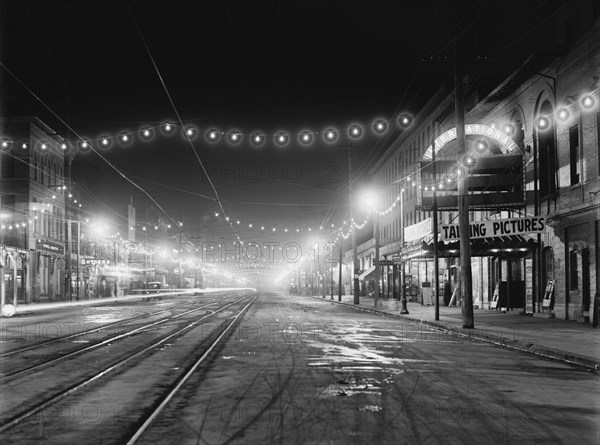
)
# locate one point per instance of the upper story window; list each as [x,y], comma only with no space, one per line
[574,154]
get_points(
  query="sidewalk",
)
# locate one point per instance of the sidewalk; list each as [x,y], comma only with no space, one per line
[564,340]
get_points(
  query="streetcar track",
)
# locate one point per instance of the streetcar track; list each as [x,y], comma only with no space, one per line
[108,341]
[183,379]
[49,401]
[29,347]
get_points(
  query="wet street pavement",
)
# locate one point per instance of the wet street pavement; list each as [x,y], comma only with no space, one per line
[300,370]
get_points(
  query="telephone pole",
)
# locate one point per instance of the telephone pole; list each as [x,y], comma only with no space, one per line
[355,269]
[466,290]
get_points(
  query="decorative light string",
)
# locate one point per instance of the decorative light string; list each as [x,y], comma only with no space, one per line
[212,135]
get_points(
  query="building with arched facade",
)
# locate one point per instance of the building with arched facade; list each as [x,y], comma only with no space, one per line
[550,108]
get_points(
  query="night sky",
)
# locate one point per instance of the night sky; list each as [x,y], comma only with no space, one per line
[263,66]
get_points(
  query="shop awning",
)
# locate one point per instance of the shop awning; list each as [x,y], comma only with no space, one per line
[366,273]
[507,246]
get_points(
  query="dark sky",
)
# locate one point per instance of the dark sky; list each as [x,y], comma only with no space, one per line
[264,66]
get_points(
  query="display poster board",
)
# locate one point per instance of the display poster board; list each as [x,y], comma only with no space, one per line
[547,301]
[494,303]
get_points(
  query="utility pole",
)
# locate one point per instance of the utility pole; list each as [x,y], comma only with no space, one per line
[376,262]
[355,268]
[340,271]
[463,204]
[436,259]
[180,243]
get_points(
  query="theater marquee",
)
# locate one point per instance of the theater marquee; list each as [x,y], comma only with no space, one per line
[495,228]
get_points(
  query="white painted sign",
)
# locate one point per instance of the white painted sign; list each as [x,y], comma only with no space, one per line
[500,227]
[506,143]
[418,230]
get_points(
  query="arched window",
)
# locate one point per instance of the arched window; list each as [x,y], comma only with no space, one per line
[547,152]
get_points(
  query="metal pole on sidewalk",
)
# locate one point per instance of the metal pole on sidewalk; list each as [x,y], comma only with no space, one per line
[377,269]
[355,271]
[404,309]
[436,259]
[340,271]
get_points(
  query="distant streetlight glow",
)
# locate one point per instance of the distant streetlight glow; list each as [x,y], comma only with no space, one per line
[5,143]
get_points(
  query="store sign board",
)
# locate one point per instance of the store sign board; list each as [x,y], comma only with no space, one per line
[49,246]
[495,228]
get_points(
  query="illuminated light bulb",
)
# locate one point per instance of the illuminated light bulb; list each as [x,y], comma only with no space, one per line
[588,102]
[146,133]
[380,126]
[543,123]
[563,114]
[104,142]
[125,138]
[63,146]
[404,121]
[355,131]
[24,145]
[481,145]
[53,196]
[84,144]
[5,143]
[306,137]
[44,146]
[508,129]
[262,228]
[234,137]
[167,127]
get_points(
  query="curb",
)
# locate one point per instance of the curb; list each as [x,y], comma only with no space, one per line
[530,348]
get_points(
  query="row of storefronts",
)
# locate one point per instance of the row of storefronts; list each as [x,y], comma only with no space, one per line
[535,234]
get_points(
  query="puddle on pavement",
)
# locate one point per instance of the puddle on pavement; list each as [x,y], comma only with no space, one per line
[370,408]
[352,386]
